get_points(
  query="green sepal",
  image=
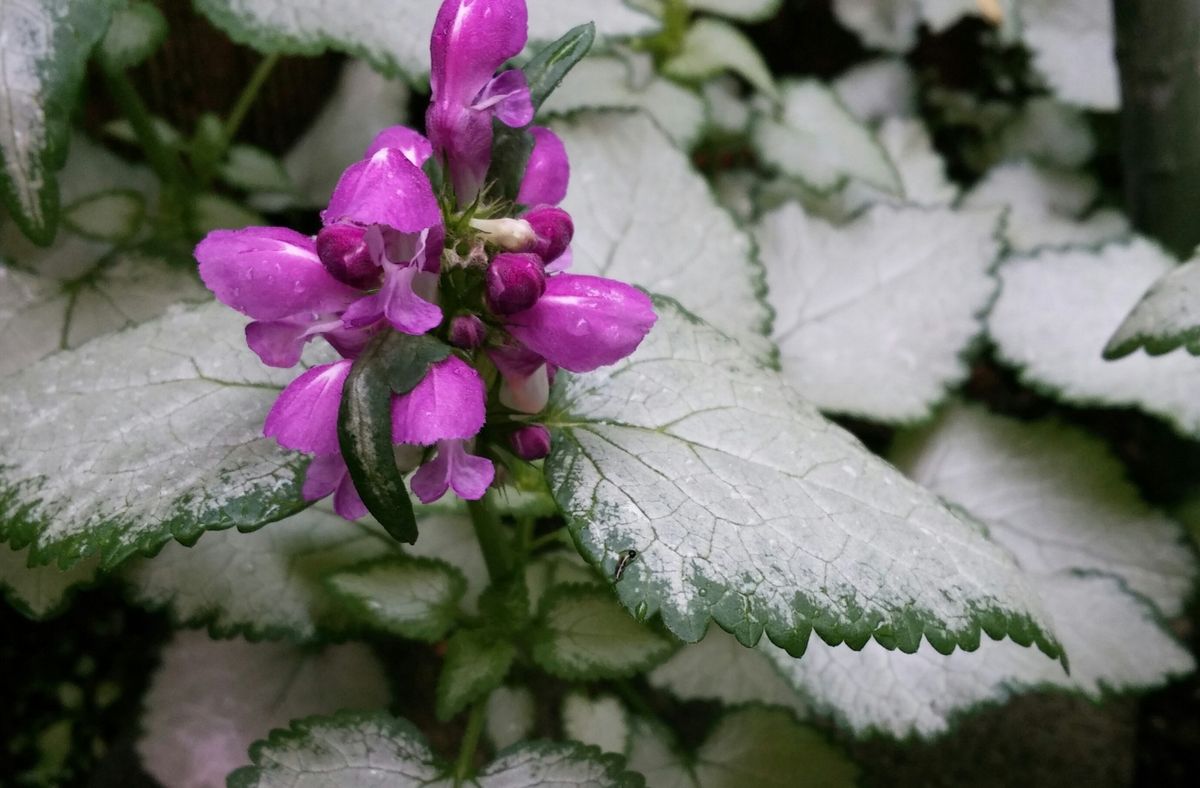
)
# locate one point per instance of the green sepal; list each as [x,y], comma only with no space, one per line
[549,66]
[476,663]
[393,363]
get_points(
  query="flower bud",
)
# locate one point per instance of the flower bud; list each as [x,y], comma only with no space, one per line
[344,253]
[554,230]
[467,332]
[513,235]
[514,283]
[531,442]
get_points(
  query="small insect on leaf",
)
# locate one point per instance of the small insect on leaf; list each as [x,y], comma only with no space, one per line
[624,559]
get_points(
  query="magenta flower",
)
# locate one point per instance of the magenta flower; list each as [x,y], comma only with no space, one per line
[471,40]
[375,267]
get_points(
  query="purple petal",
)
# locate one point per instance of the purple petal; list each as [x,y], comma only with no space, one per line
[507,96]
[398,302]
[561,263]
[349,342]
[347,502]
[584,322]
[304,417]
[449,403]
[327,473]
[468,475]
[548,170]
[412,144]
[269,273]
[385,189]
[278,343]
[323,476]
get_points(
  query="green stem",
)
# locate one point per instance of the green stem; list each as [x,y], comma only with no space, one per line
[497,552]
[466,751]
[162,159]
[241,107]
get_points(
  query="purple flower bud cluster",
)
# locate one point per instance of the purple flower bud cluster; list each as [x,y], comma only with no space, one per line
[383,261]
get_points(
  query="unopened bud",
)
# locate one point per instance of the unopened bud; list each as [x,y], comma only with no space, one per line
[554,230]
[531,442]
[513,235]
[467,332]
[514,282]
[344,253]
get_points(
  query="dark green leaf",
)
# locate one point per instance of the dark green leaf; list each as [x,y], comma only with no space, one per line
[476,663]
[548,67]
[392,363]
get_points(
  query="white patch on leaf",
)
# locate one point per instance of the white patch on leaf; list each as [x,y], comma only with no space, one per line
[817,140]
[1073,45]
[872,318]
[630,82]
[601,721]
[1046,207]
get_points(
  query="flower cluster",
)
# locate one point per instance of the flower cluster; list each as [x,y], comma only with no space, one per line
[397,253]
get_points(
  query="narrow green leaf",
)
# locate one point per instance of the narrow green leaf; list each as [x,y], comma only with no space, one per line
[133,35]
[584,634]
[392,363]
[46,46]
[411,597]
[476,663]
[548,67]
